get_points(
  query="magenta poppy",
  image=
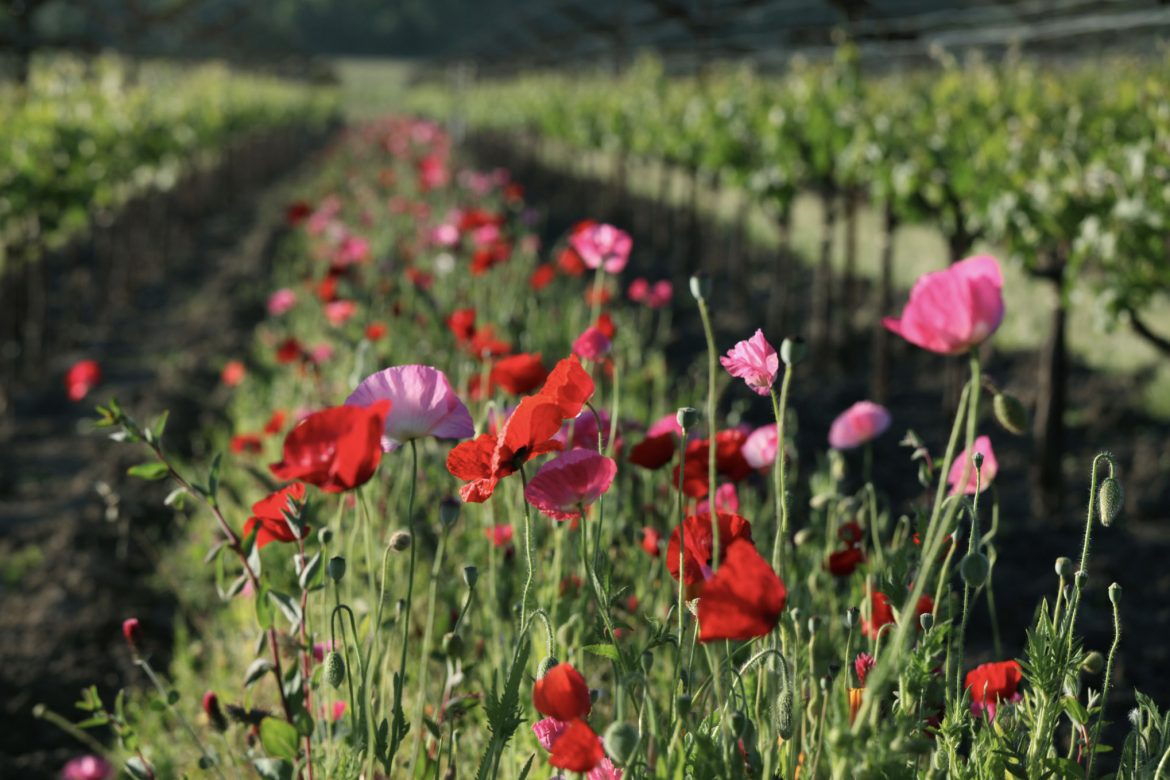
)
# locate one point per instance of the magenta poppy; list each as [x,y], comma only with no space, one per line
[760,447]
[986,473]
[754,361]
[603,246]
[571,480]
[859,424]
[953,310]
[592,344]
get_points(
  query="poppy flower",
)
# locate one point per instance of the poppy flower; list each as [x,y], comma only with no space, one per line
[993,683]
[726,500]
[569,386]
[289,351]
[578,749]
[592,344]
[432,173]
[336,449]
[654,452]
[844,562]
[423,405]
[603,246]
[275,423]
[754,361]
[375,331]
[339,312]
[484,343]
[953,310]
[518,374]
[280,301]
[82,377]
[697,549]
[744,599]
[327,289]
[859,424]
[486,258]
[729,462]
[542,277]
[597,295]
[606,325]
[87,768]
[562,694]
[986,474]
[660,294]
[882,613]
[500,535]
[246,442]
[268,516]
[420,279]
[638,290]
[351,250]
[570,263]
[582,432]
[863,664]
[461,323]
[851,533]
[652,541]
[760,447]
[297,212]
[233,373]
[571,480]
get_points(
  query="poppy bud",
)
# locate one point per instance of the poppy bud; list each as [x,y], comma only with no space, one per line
[1109,500]
[1010,413]
[977,461]
[974,569]
[739,723]
[546,666]
[334,669]
[813,622]
[1114,594]
[130,630]
[793,350]
[452,645]
[325,535]
[1093,664]
[449,512]
[1064,568]
[851,616]
[684,704]
[400,540]
[700,285]
[926,620]
[802,536]
[621,740]
[687,417]
[1081,578]
[470,576]
[213,711]
[336,568]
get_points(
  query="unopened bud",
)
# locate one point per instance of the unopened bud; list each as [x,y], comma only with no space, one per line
[214,712]
[1115,594]
[131,631]
[926,620]
[851,617]
[325,535]
[452,645]
[546,666]
[687,417]
[1110,497]
[334,668]
[739,723]
[1064,568]
[793,350]
[400,540]
[336,568]
[977,461]
[1010,413]
[974,569]
[470,576]
[647,661]
[701,286]
[1094,663]
[813,622]
[449,512]
[683,702]
[621,741]
[802,536]
[1081,578]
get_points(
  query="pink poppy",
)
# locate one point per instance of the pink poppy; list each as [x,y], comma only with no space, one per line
[82,377]
[321,353]
[603,246]
[547,730]
[951,311]
[759,450]
[726,500]
[353,249]
[339,312]
[986,473]
[281,301]
[501,535]
[233,373]
[445,235]
[638,290]
[87,768]
[859,424]
[592,344]
[570,481]
[660,294]
[423,405]
[754,361]
[582,431]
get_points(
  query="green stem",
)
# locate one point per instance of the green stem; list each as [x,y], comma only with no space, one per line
[528,548]
[400,726]
[424,654]
[1105,684]
[780,410]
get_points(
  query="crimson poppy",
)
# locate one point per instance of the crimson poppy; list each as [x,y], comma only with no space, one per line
[697,550]
[297,212]
[375,331]
[336,449]
[562,693]
[289,351]
[652,542]
[246,443]
[542,277]
[269,516]
[605,325]
[462,324]
[578,749]
[518,374]
[844,562]
[882,612]
[653,452]
[82,377]
[485,344]
[275,423]
[993,683]
[729,462]
[744,599]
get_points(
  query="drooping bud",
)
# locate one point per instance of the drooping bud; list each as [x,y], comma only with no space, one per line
[334,668]
[546,666]
[400,540]
[452,645]
[470,576]
[214,712]
[1110,497]
[1094,663]
[793,350]
[1010,413]
[1064,568]
[621,741]
[974,569]
[449,512]
[336,568]
[687,417]
[700,285]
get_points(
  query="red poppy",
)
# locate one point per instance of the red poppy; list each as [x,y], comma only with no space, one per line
[542,277]
[514,193]
[475,218]
[462,324]
[297,212]
[744,599]
[850,533]
[844,562]
[327,289]
[420,279]
[993,683]
[654,452]
[570,263]
[375,331]
[275,423]
[697,551]
[562,693]
[652,542]
[597,295]
[518,374]
[882,612]
[605,325]
[578,749]
[486,258]
[268,516]
[247,442]
[289,351]
[485,344]
[82,377]
[501,535]
[569,386]
[233,373]
[336,449]
[729,462]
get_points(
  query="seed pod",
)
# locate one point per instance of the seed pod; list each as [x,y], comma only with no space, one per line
[1010,413]
[334,669]
[926,620]
[852,616]
[974,569]
[647,661]
[325,535]
[400,540]
[621,742]
[687,417]
[792,351]
[782,716]
[684,704]
[449,511]
[1110,497]
[336,568]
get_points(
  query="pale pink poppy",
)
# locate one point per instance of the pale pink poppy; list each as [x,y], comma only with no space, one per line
[986,473]
[547,730]
[281,301]
[953,310]
[603,246]
[859,424]
[754,361]
[321,353]
[445,235]
[486,235]
[339,312]
[570,481]
[423,404]
[581,431]
[726,500]
[592,344]
[759,450]
[87,768]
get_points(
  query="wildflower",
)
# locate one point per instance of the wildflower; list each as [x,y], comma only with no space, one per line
[953,310]
[603,246]
[562,693]
[592,344]
[422,404]
[993,683]
[726,500]
[744,599]
[375,331]
[754,361]
[882,613]
[250,443]
[638,290]
[729,462]
[542,277]
[651,541]
[606,325]
[660,294]
[336,449]
[289,350]
[339,312]
[859,424]
[270,517]
[280,301]
[698,543]
[297,212]
[578,749]
[986,473]
[570,481]
[82,377]
[518,374]
[233,373]
[461,323]
[844,562]
[131,631]
[760,447]
[87,768]
[654,452]
[275,423]
[863,664]
[501,535]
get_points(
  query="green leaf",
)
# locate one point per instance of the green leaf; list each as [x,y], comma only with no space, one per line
[290,608]
[259,668]
[149,471]
[136,768]
[605,651]
[273,769]
[279,738]
[264,614]
[159,425]
[310,572]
